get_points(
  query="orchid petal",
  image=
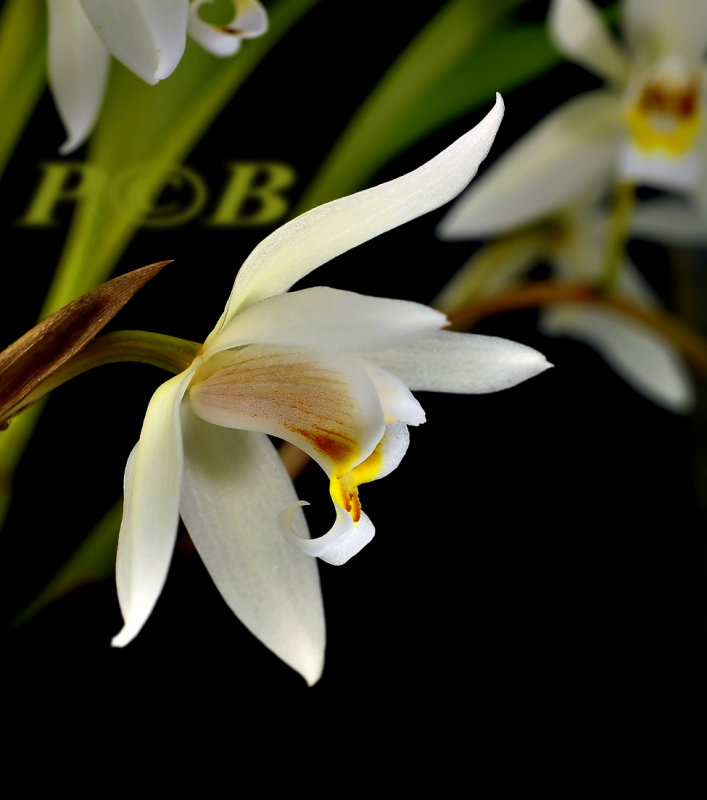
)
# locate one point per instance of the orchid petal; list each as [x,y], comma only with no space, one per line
[233,490]
[669,222]
[249,20]
[151,510]
[562,156]
[78,70]
[324,403]
[655,170]
[463,363]
[148,36]
[386,457]
[642,19]
[343,541]
[661,28]
[312,239]
[581,35]
[643,359]
[397,401]
[330,319]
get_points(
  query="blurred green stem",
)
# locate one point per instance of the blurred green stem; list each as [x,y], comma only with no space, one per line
[13,442]
[91,562]
[166,352]
[622,207]
[540,293]
[22,68]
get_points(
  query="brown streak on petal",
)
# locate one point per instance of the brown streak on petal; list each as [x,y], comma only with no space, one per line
[336,446]
[275,389]
[345,492]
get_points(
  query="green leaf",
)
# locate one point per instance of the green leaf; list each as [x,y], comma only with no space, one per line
[93,561]
[456,63]
[22,68]
[509,58]
[13,442]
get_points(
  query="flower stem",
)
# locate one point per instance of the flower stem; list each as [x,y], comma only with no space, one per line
[619,230]
[532,295]
[166,352]
[540,293]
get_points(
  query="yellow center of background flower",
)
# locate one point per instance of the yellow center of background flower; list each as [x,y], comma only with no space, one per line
[666,118]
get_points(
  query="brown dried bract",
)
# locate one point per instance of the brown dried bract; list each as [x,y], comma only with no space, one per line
[52,342]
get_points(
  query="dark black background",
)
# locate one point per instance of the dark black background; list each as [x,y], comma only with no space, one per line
[537,572]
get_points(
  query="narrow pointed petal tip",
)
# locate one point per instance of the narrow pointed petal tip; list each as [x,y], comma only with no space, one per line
[461,363]
[313,670]
[580,34]
[147,36]
[314,238]
[480,138]
[518,364]
[78,71]
[124,637]
[487,129]
[541,173]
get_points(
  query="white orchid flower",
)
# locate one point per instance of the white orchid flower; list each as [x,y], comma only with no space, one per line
[573,241]
[645,127]
[328,370]
[147,36]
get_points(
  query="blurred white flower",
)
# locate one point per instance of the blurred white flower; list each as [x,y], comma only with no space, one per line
[328,370]
[645,127]
[574,242]
[147,36]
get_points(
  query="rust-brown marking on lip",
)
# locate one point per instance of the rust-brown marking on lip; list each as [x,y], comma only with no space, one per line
[687,104]
[338,447]
[353,505]
[344,491]
[657,99]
